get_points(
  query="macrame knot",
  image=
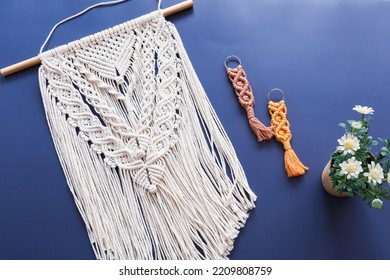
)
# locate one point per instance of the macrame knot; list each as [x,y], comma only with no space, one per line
[250,113]
[245,97]
[120,80]
[287,145]
[278,111]
[138,154]
[243,90]
[152,188]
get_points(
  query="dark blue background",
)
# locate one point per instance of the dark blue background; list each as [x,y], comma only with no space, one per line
[326,55]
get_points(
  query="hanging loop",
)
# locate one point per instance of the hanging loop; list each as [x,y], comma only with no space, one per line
[108,3]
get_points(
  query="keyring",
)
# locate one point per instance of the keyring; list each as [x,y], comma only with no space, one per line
[244,93]
[232,58]
[278,112]
[275,89]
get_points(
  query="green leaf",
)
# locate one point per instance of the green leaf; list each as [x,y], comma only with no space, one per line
[385,141]
[366,196]
[343,125]
[362,154]
[386,167]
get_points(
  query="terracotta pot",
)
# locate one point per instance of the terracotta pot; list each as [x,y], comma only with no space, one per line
[327,183]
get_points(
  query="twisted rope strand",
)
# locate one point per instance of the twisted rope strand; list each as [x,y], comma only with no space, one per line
[243,90]
[278,111]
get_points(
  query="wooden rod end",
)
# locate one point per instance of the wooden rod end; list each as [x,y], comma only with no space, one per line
[20,66]
[178,7]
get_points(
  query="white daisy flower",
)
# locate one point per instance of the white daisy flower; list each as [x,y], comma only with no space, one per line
[375,173]
[349,144]
[388,178]
[377,203]
[351,167]
[364,110]
[356,124]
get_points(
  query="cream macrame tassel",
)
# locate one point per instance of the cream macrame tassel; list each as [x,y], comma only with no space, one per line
[150,166]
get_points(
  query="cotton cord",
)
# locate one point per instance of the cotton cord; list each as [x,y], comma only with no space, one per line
[278,111]
[243,90]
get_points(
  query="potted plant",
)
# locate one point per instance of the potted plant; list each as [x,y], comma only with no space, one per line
[354,169]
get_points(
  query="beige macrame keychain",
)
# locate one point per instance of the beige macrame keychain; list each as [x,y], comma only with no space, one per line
[278,111]
[245,96]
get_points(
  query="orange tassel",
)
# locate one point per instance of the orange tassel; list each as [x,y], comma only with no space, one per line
[278,111]
[245,96]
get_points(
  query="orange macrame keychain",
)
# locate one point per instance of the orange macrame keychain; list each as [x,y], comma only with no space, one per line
[245,96]
[278,111]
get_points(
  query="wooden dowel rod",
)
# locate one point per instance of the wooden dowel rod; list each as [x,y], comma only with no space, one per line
[20,66]
[178,8]
[36,60]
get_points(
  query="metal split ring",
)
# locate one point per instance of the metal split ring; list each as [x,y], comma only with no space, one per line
[273,90]
[232,58]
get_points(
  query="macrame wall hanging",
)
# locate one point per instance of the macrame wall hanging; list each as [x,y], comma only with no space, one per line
[151,169]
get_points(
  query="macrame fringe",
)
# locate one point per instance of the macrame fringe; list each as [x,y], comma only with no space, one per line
[262,132]
[294,167]
[149,164]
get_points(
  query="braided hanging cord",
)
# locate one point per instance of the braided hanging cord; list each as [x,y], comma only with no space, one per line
[245,96]
[278,111]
